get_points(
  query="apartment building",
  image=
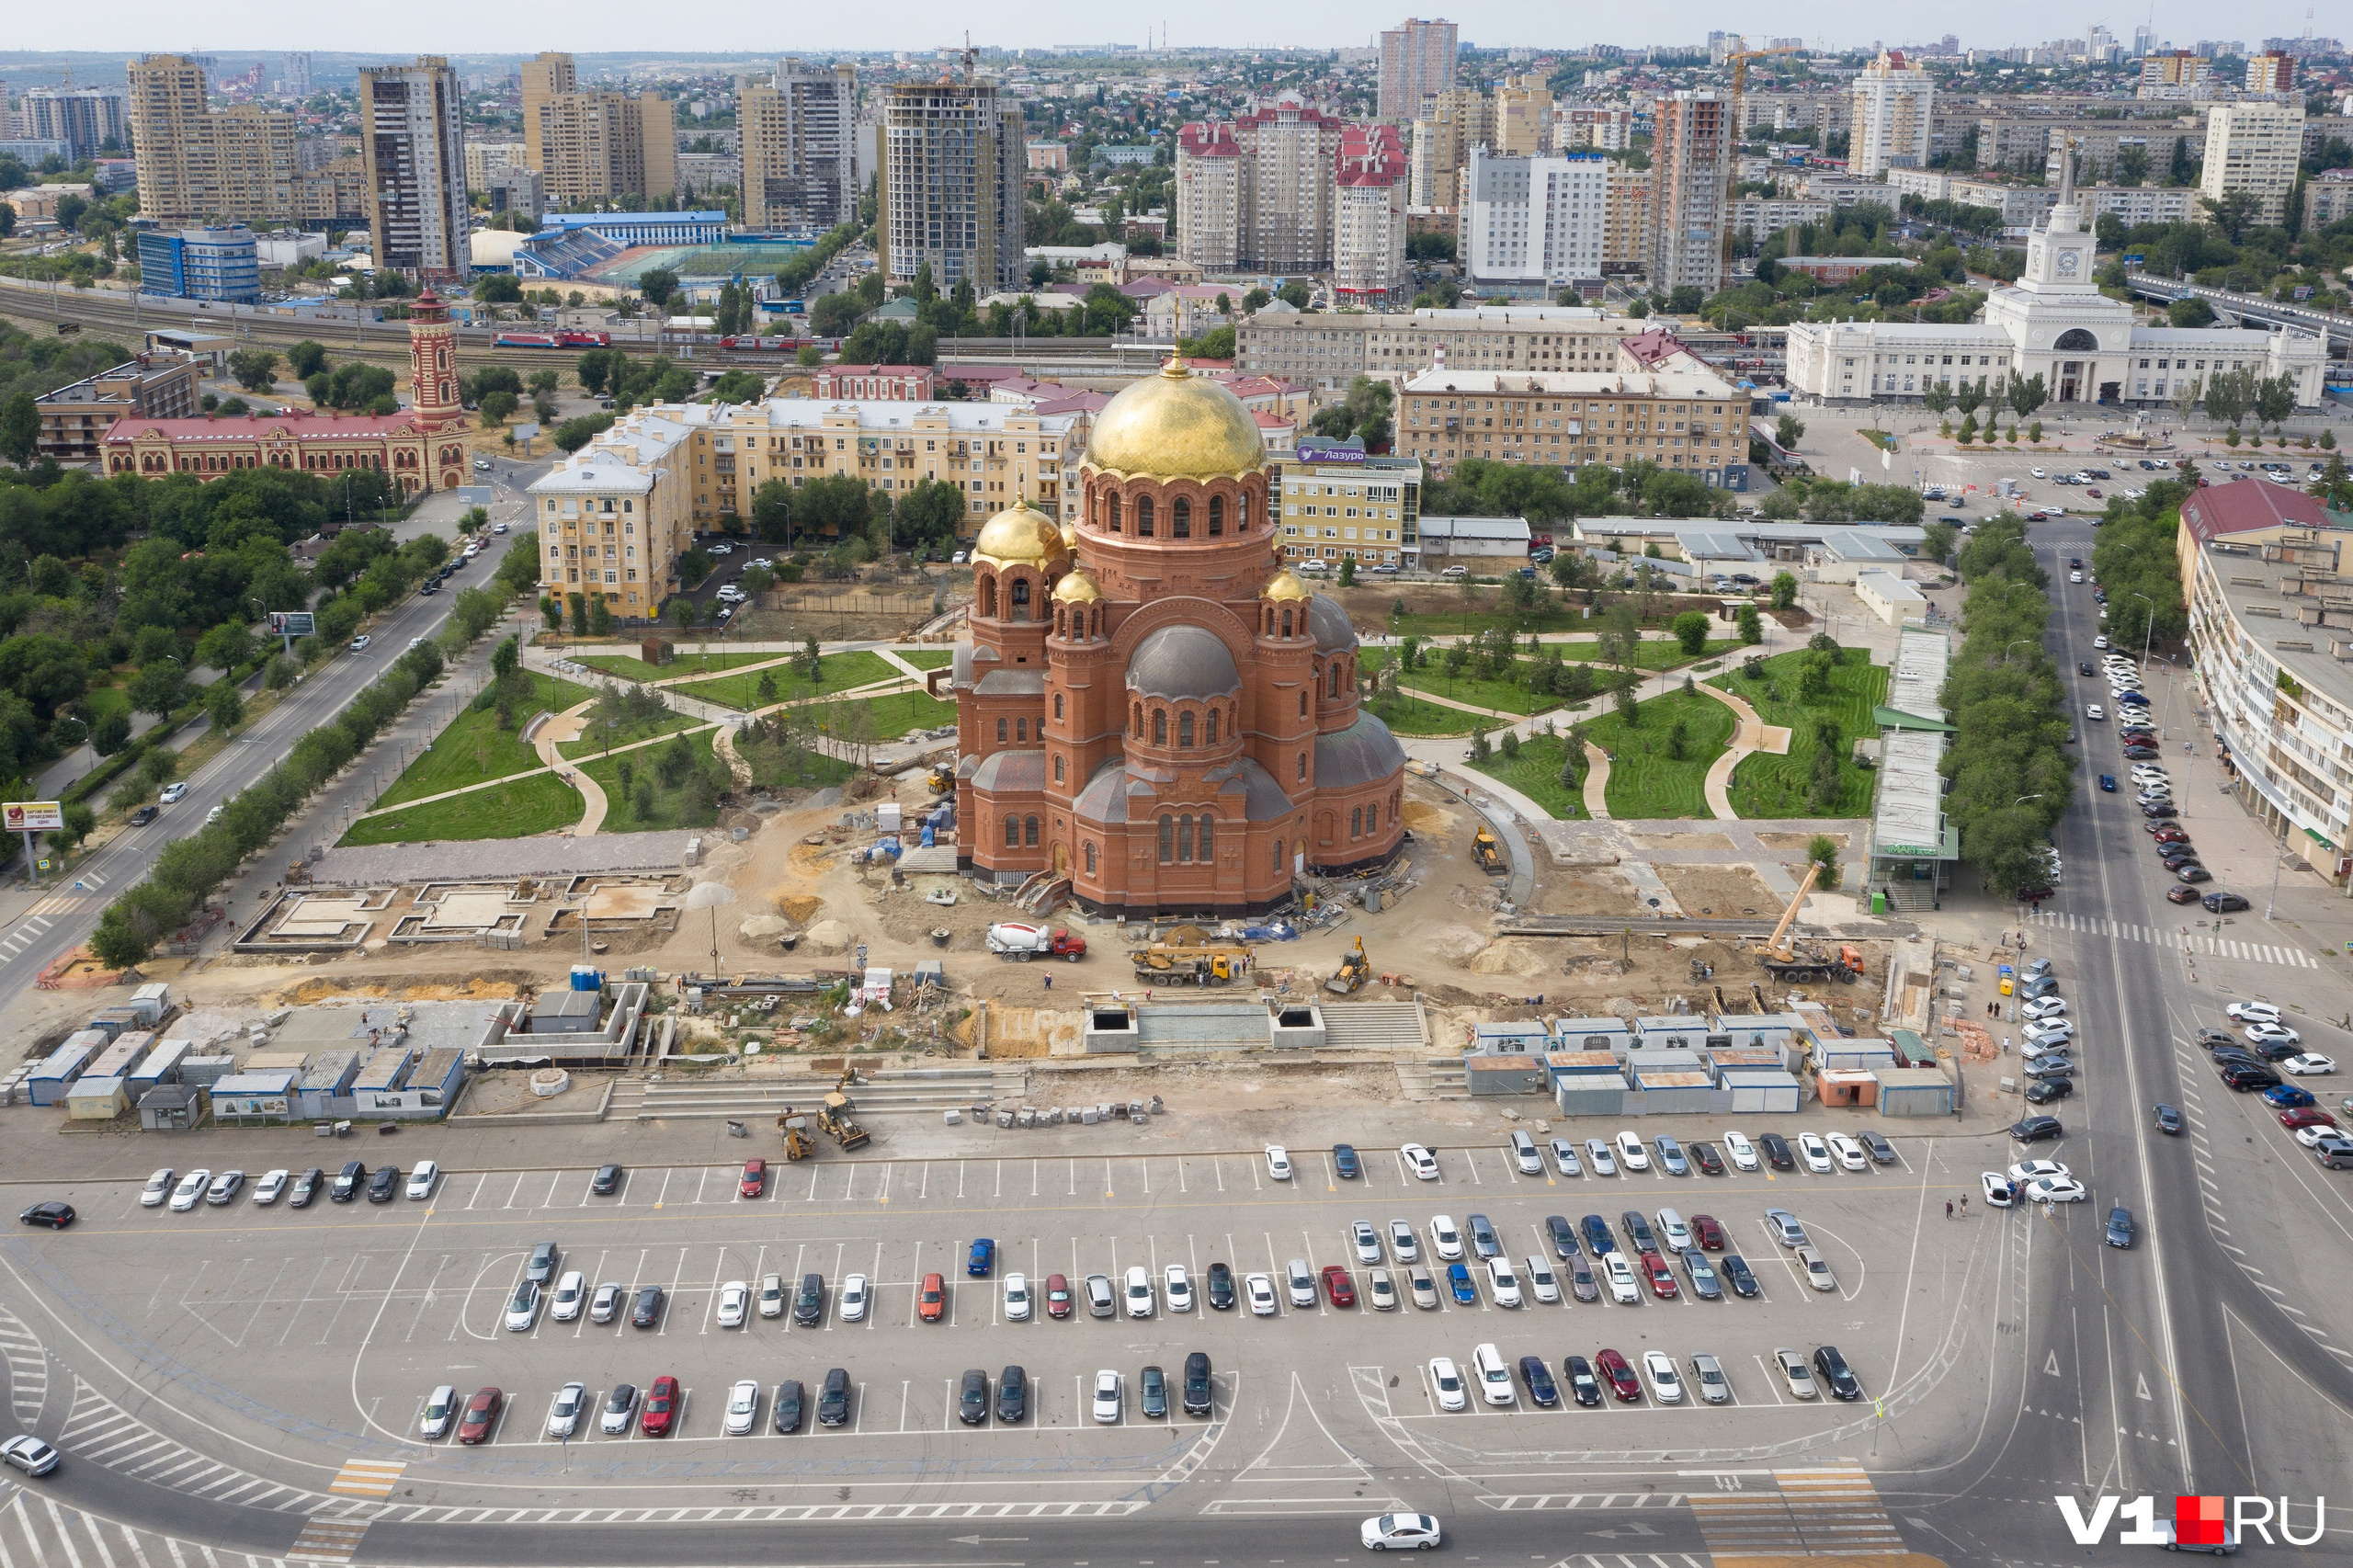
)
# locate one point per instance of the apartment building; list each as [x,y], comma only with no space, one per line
[1329,351]
[1689,149]
[1369,218]
[1535,220]
[1209,196]
[2328,198]
[1759,218]
[1626,219]
[2025,142]
[2270,598]
[1416,61]
[1523,117]
[800,165]
[953,178]
[2254,147]
[161,384]
[544,77]
[1289,149]
[1687,421]
[195,166]
[1892,99]
[614,518]
[85,119]
[593,147]
[1335,503]
[486,160]
[1605,128]
[2271,71]
[2023,206]
[412,131]
[2179,73]
[1453,122]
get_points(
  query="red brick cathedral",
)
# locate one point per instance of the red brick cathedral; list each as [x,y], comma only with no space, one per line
[1150,703]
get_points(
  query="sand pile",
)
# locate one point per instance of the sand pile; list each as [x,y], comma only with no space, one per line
[1456,944]
[829,936]
[1508,956]
[797,906]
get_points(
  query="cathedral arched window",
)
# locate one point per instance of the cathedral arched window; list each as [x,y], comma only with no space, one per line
[1090,859]
[1012,832]
[1167,840]
[1286,623]
[1058,767]
[1000,732]
[1184,730]
[1302,704]
[1332,680]
[1135,720]
[1217,515]
[1185,841]
[1111,510]
[1278,857]
[1021,731]
[1211,738]
[1371,820]
[988,596]
[1205,846]
[1058,707]
[1020,598]
[1030,832]
[1159,727]
[1242,513]
[1180,519]
[1356,823]
[1303,767]
[1143,517]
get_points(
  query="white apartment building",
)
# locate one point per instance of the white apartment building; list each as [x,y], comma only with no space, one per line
[2254,147]
[1329,350]
[1208,197]
[1890,116]
[1537,220]
[1759,217]
[1369,219]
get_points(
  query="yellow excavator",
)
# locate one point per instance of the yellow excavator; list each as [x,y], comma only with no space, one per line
[1354,972]
[798,1144]
[1489,854]
[1786,962]
[833,1121]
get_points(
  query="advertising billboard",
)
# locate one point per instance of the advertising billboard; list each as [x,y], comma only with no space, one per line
[32,816]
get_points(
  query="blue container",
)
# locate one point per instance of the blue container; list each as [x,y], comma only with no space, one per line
[584,978]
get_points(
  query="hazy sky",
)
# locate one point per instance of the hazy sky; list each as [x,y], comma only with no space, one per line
[466,26]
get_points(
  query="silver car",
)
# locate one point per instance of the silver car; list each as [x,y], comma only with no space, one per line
[1366,1240]
[1709,1375]
[564,1413]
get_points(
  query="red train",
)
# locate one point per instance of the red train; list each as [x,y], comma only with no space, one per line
[554,340]
[750,344]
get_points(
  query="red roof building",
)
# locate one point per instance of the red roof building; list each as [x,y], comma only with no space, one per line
[2249,506]
[894,383]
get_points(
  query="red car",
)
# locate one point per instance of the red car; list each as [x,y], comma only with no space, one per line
[1057,1296]
[2306,1116]
[932,1305]
[1709,1233]
[2181,892]
[1338,1286]
[1662,1276]
[2167,833]
[481,1416]
[660,1408]
[756,1178]
[1620,1376]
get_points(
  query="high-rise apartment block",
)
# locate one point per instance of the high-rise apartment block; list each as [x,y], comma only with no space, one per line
[1369,218]
[1626,219]
[2271,71]
[800,147]
[952,154]
[412,133]
[1208,197]
[195,166]
[1890,116]
[592,147]
[2254,147]
[1416,61]
[543,77]
[2177,74]
[1535,219]
[486,161]
[1289,149]
[295,82]
[1689,148]
[85,119]
[1523,117]
[1453,122]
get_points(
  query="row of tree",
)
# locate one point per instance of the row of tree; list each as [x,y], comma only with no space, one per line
[2012,775]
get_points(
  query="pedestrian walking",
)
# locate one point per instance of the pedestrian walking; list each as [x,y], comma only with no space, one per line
[1049,980]
[1964,1206]
[1948,1208]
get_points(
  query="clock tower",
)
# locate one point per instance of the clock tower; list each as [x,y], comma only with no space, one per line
[2060,325]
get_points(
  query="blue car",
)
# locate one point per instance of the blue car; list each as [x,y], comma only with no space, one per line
[2107,783]
[2168,1119]
[1598,1238]
[983,1258]
[1458,1279]
[1735,1270]
[2287,1097]
[1538,1379]
[1345,1163]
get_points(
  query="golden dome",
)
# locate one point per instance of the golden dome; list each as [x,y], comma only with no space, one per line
[1077,588]
[1177,426]
[1070,535]
[1286,586]
[1019,536]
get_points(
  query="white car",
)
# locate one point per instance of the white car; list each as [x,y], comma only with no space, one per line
[2026,1171]
[440,1409]
[158,1189]
[1630,1152]
[1623,1290]
[742,1408]
[2051,1030]
[360,643]
[2044,1007]
[1107,1399]
[1299,1282]
[1817,1270]
[1741,1153]
[1603,1162]
[1420,1161]
[1399,1532]
[1445,1240]
[1017,1299]
[1402,1241]
[1381,1290]
[2099,641]
[2312,1137]
[1447,1383]
[1541,1282]
[1503,1282]
[2056,1189]
[1277,1162]
[2271,1034]
[1260,1290]
[734,1304]
[571,1295]
[1178,1288]
[271,1187]
[1999,1193]
[2094,710]
[1365,1240]
[1493,1374]
[190,1191]
[1849,1153]
[523,1308]
[854,1298]
[1785,1228]
[421,1181]
[2308,1063]
[1815,1152]
[2253,1012]
[564,1410]
[771,1295]
[1673,1230]
[1565,1158]
[173,793]
[1658,1370]
[1138,1294]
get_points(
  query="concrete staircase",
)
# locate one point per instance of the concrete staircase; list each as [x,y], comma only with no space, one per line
[1433,1078]
[928,1089]
[1373,1025]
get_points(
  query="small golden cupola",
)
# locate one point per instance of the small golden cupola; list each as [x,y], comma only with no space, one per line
[1284,588]
[1021,535]
[1078,588]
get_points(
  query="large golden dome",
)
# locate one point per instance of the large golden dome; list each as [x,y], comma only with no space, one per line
[1019,536]
[1177,426]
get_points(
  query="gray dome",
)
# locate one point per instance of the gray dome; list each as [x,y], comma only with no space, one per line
[1364,753]
[1330,623]
[1182,662]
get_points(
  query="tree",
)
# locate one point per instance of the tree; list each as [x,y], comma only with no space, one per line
[111,733]
[1823,850]
[158,689]
[306,358]
[226,647]
[255,370]
[2275,399]
[658,286]
[809,357]
[601,617]
[497,408]
[1348,571]
[579,606]
[1690,630]
[1630,707]
[1968,397]
[80,822]
[2026,394]
[1751,624]
[19,428]
[2234,212]
[223,706]
[2192,311]
[1784,591]
[1937,398]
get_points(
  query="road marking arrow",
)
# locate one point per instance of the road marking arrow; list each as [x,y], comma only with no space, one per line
[1633,1527]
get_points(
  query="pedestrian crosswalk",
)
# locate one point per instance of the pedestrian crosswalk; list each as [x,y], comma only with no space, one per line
[98,1431]
[27,1368]
[2177,938]
[367,1478]
[13,945]
[38,1531]
[1833,1511]
[328,1540]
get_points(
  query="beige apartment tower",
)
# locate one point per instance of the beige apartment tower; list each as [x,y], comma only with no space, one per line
[1689,152]
[412,137]
[1523,118]
[800,148]
[1458,120]
[2254,146]
[1417,59]
[1208,197]
[1890,116]
[953,155]
[591,147]
[195,166]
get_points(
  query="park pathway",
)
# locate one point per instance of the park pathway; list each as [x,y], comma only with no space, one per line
[566,726]
[1596,782]
[1751,735]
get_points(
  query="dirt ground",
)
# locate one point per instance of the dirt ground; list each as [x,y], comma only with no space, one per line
[1590,890]
[1718,891]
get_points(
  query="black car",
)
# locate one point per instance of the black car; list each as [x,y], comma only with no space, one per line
[1880,1150]
[1564,1235]
[1583,1386]
[2043,1091]
[1152,1389]
[2277,1049]
[2082,666]
[306,1188]
[1199,1394]
[1638,1231]
[833,1397]
[1704,1155]
[142,817]
[1220,1287]
[539,1268]
[1833,1372]
[2223,902]
[647,1313]
[2037,1129]
[55,1215]
[2168,1119]
[1777,1152]
[1538,1379]
[1012,1395]
[348,1182]
[1344,1164]
[2247,1079]
[1736,1273]
[606,1182]
[384,1185]
[2159,809]
[973,1397]
[808,1305]
[788,1405]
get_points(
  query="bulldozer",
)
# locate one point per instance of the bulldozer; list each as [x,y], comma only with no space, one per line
[798,1144]
[941,780]
[1216,964]
[1792,963]
[1354,972]
[1489,854]
[833,1120]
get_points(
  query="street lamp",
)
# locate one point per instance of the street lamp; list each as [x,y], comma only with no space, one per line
[2013,642]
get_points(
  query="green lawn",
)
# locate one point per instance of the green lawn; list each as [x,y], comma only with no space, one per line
[106,699]
[836,672]
[593,740]
[1511,696]
[1464,622]
[928,658]
[1536,773]
[474,748]
[1407,714]
[1644,782]
[667,808]
[537,804]
[1767,786]
[892,715]
[630,668]
[1654,653]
